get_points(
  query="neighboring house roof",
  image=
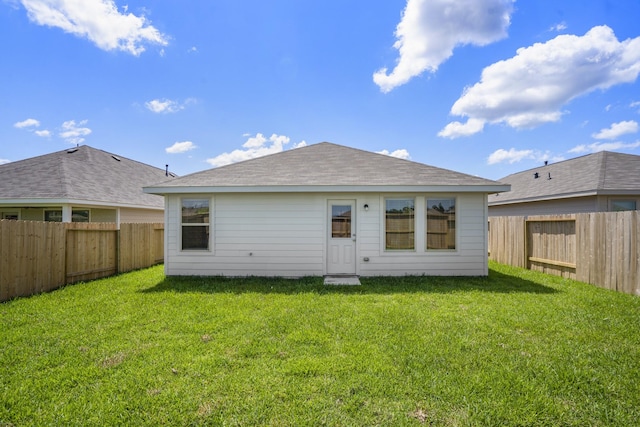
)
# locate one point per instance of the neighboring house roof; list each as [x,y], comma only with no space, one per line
[326,167]
[81,175]
[594,174]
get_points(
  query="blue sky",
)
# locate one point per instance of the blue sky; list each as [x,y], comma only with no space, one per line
[485,87]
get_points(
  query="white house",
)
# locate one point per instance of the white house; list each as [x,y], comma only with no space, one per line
[326,209]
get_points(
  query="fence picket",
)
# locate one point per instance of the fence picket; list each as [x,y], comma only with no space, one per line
[598,248]
[41,256]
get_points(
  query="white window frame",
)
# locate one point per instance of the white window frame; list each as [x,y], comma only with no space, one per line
[426,225]
[194,251]
[384,222]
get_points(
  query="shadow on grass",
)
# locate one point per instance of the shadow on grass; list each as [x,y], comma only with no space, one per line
[496,282]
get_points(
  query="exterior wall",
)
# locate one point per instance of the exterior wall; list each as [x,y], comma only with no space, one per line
[561,206]
[103,215]
[286,235]
[128,215]
[32,214]
[548,207]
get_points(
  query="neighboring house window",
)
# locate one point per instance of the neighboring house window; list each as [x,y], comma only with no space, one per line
[195,224]
[441,223]
[10,215]
[53,215]
[80,215]
[399,224]
[623,205]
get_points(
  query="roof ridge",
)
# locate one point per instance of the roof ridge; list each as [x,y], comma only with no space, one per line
[603,170]
[65,179]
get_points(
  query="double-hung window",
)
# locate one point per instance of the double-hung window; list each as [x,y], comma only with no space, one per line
[441,223]
[400,224]
[195,224]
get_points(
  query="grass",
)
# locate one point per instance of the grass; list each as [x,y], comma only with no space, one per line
[516,348]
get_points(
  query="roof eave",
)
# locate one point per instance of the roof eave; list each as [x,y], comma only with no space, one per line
[37,202]
[487,188]
[611,192]
[543,198]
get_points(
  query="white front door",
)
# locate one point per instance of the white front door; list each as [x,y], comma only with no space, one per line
[341,249]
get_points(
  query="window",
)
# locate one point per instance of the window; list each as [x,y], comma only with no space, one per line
[623,205]
[80,215]
[399,224]
[10,215]
[53,215]
[195,224]
[341,221]
[441,223]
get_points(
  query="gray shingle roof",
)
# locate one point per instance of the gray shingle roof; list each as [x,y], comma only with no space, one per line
[83,174]
[599,173]
[323,165]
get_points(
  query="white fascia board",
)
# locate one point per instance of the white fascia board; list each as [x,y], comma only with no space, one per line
[43,202]
[332,189]
[544,198]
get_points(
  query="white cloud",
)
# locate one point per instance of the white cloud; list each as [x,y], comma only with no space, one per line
[254,147]
[530,88]
[400,153]
[4,161]
[429,31]
[634,104]
[603,146]
[180,147]
[559,27]
[299,144]
[164,106]
[30,125]
[73,133]
[617,129]
[97,20]
[514,156]
[457,129]
[511,156]
[27,123]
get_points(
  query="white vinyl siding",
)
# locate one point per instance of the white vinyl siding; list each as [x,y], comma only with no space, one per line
[269,234]
[469,258]
[254,234]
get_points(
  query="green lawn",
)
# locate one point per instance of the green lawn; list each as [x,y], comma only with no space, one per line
[517,348]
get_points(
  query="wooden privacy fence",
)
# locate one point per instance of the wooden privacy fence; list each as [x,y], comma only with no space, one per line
[598,248]
[41,256]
